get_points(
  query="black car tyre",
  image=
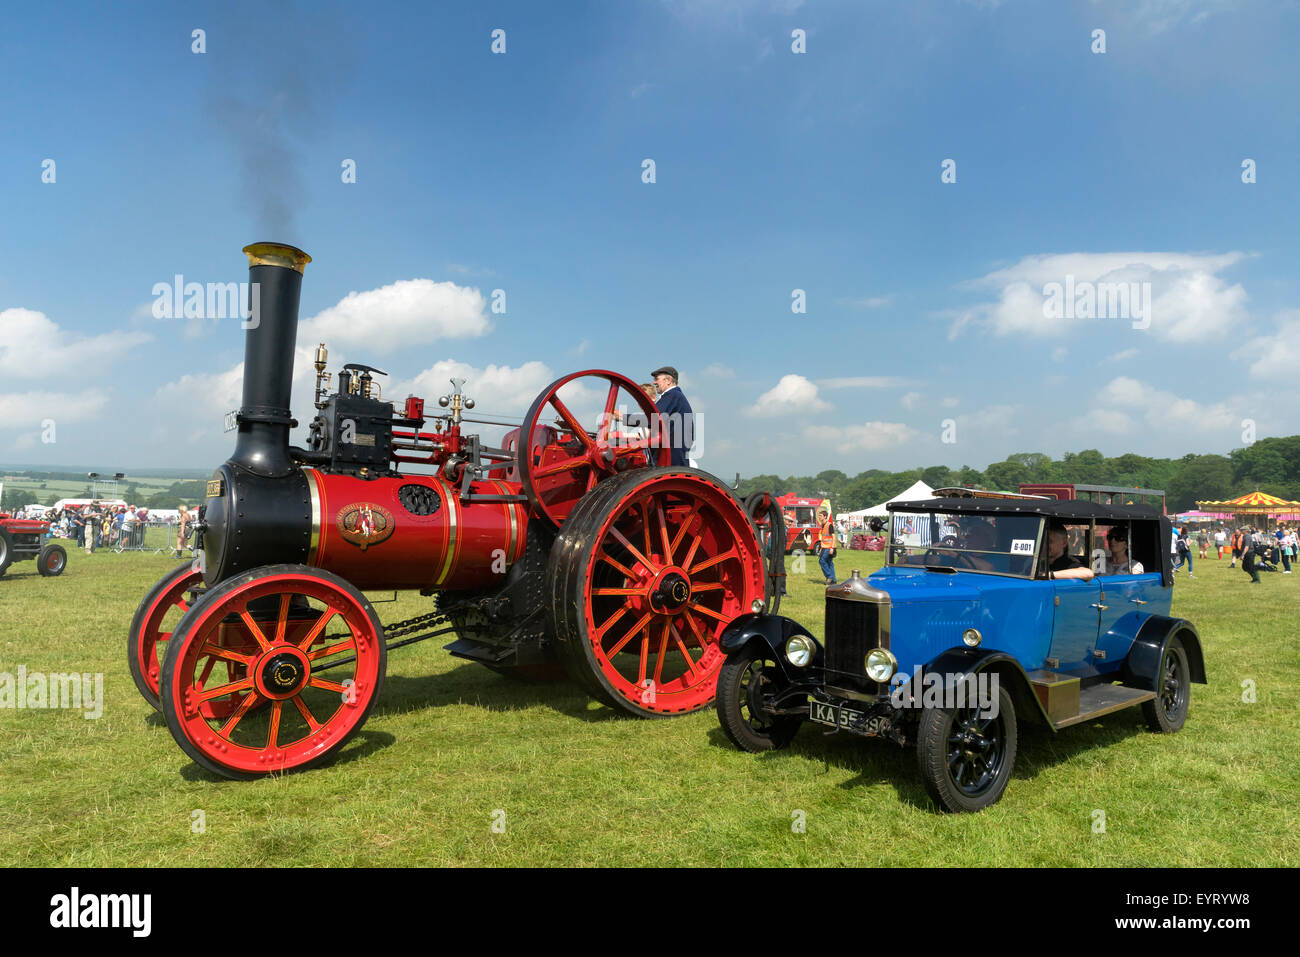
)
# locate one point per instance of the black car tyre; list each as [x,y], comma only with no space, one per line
[51,560]
[6,551]
[745,678]
[1168,711]
[966,759]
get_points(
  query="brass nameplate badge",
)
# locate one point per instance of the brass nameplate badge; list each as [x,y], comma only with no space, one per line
[214,488]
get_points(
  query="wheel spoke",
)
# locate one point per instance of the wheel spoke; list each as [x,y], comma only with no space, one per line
[564,465]
[715,560]
[610,400]
[316,682]
[326,617]
[682,529]
[273,732]
[622,568]
[574,425]
[183,605]
[690,554]
[225,654]
[254,628]
[707,586]
[307,716]
[282,621]
[710,612]
[207,670]
[620,591]
[681,646]
[659,663]
[334,649]
[663,532]
[645,655]
[636,553]
[600,632]
[631,633]
[645,527]
[238,716]
[243,684]
[699,635]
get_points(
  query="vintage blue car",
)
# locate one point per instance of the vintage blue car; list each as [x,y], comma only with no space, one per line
[989,611]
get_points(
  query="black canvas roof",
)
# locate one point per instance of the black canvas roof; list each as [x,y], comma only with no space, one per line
[1064,511]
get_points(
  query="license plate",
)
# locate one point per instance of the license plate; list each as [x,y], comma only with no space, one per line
[834,715]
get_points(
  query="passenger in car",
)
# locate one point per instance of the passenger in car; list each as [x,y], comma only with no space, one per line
[1060,564]
[1120,563]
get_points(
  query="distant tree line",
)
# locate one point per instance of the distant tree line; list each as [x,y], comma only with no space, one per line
[184,492]
[1270,465]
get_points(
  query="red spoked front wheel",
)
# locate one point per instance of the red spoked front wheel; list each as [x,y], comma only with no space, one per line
[644,576]
[309,675]
[152,625]
[559,465]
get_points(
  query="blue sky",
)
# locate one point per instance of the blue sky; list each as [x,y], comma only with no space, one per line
[775,171]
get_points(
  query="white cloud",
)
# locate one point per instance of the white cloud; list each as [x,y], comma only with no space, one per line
[505,390]
[409,312]
[1189,302]
[1276,356]
[717,370]
[25,411]
[793,394]
[1059,354]
[993,418]
[32,346]
[869,436]
[1121,355]
[910,400]
[1158,408]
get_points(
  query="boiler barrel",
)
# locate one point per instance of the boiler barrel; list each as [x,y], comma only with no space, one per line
[413,531]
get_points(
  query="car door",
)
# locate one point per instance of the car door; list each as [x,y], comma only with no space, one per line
[1075,623]
[1122,595]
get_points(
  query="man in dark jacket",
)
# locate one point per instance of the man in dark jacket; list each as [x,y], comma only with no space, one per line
[675,413]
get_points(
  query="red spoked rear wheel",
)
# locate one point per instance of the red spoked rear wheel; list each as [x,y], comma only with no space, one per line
[645,574]
[152,626]
[558,468]
[309,675]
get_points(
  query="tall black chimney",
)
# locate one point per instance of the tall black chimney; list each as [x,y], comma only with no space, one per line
[275,281]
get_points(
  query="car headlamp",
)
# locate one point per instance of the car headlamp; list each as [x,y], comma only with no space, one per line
[972,637]
[799,651]
[881,665]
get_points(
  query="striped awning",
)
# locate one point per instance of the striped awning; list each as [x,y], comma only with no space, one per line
[1253,503]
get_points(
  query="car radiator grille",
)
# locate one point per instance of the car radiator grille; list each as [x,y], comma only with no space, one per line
[852,629]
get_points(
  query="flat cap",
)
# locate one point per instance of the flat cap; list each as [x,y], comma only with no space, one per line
[665,370]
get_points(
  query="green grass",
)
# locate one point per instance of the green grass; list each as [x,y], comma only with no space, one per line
[450,743]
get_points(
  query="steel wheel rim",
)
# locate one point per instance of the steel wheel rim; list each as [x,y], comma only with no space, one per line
[294,727]
[976,750]
[151,641]
[53,562]
[660,655]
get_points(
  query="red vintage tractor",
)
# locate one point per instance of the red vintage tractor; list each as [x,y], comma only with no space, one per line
[20,539]
[569,548]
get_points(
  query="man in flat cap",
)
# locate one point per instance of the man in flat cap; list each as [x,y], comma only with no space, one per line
[675,412]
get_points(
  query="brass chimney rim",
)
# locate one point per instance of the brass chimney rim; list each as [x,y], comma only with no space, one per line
[276,254]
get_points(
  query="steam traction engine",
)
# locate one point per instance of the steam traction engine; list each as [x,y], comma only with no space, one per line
[565,549]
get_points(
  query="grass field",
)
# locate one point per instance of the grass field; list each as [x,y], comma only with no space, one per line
[451,745]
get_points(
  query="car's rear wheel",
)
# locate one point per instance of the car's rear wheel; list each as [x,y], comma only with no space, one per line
[1168,711]
[748,680]
[6,551]
[966,757]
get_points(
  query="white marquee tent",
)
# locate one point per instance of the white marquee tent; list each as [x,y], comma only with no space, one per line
[917,493]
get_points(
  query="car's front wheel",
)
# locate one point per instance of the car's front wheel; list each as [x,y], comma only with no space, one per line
[1168,711]
[747,682]
[966,756]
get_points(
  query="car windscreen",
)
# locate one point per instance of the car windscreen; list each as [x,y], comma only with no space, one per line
[993,544]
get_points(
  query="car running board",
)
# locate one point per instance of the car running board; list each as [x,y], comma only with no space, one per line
[1103,699]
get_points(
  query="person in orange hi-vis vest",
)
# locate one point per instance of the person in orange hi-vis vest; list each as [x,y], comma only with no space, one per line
[1238,539]
[826,546]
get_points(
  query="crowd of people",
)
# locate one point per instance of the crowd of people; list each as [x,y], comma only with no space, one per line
[98,525]
[1256,549]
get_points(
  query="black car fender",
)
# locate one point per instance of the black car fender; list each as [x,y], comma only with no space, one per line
[960,662]
[773,631]
[1142,666]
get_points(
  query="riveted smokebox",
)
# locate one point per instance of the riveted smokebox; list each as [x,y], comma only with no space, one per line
[275,283]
